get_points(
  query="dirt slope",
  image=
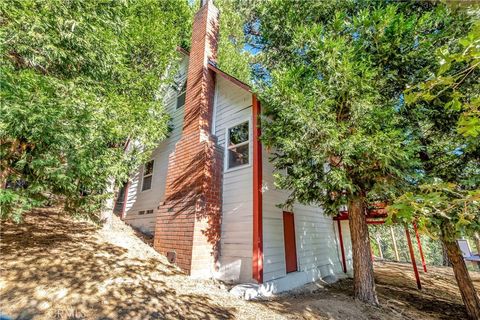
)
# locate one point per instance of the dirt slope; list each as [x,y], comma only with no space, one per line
[55,268]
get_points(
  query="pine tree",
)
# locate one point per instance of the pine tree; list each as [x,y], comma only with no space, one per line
[78,83]
[331,76]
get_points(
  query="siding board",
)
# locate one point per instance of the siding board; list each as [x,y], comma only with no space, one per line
[234,106]
[138,200]
[316,234]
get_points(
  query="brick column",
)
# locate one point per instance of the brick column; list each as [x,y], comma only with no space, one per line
[188,222]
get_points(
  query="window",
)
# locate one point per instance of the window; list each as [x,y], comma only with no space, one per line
[147,175]
[238,149]
[141,212]
[181,96]
[149,211]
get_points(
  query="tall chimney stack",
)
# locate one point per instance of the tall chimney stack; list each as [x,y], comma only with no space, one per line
[188,222]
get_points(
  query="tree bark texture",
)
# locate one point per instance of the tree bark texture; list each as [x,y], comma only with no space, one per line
[469,295]
[363,277]
[477,242]
[445,260]
[106,215]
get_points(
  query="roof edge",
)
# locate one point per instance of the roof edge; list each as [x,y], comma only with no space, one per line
[212,66]
[241,84]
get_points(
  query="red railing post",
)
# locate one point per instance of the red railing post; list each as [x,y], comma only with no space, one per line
[412,257]
[342,249]
[420,247]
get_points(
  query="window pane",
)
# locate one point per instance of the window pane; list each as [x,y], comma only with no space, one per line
[181,96]
[238,134]
[181,100]
[147,183]
[148,168]
[238,156]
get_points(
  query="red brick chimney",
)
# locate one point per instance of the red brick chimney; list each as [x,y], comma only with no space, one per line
[188,222]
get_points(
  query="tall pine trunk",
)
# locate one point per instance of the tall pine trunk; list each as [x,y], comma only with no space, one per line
[363,277]
[469,294]
[477,242]
[445,260]
[106,215]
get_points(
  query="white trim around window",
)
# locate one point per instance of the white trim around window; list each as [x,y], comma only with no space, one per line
[243,143]
[148,175]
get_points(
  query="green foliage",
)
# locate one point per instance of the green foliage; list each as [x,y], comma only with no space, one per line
[455,89]
[444,114]
[78,84]
[441,210]
[332,81]
[455,85]
[232,56]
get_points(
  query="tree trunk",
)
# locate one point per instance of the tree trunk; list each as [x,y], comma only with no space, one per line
[4,177]
[379,245]
[363,278]
[445,260]
[469,295]
[106,216]
[477,242]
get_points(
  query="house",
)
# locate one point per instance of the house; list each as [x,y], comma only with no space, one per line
[207,193]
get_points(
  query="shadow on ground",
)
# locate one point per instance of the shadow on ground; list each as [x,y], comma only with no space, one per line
[397,292]
[55,268]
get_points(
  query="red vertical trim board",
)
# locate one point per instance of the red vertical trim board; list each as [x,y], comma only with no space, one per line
[290,244]
[412,257]
[342,249]
[424,264]
[257,258]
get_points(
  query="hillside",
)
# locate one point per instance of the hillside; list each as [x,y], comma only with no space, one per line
[56,268]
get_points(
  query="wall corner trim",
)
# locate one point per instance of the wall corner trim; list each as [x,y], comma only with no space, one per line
[257,256]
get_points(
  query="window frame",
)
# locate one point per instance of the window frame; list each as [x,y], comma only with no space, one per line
[183,90]
[148,175]
[227,147]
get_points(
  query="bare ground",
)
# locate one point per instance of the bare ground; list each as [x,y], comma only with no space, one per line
[55,268]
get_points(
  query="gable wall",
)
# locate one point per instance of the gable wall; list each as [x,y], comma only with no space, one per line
[233,106]
[150,199]
[316,234]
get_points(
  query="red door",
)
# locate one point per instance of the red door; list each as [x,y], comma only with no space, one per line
[289,238]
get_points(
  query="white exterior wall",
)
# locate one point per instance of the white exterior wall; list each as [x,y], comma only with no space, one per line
[318,251]
[347,244]
[233,106]
[137,199]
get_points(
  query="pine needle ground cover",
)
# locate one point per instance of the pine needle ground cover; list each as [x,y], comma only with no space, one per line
[54,267]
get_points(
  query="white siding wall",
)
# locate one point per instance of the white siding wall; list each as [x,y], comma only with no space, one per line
[316,234]
[318,251]
[137,199]
[233,106]
[347,244]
